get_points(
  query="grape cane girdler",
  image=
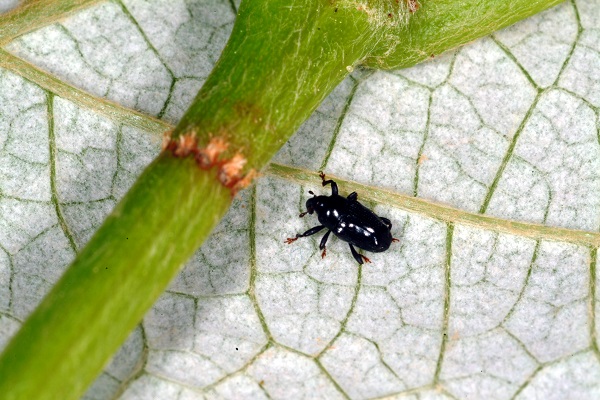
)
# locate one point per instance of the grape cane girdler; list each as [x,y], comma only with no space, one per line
[349,220]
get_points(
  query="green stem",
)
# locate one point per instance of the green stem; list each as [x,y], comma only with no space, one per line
[440,25]
[89,313]
[268,81]
[282,59]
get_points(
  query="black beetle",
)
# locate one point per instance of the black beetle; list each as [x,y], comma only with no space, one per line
[349,220]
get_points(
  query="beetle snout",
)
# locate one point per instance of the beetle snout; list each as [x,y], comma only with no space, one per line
[310,205]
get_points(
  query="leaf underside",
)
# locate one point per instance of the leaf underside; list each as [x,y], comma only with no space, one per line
[486,160]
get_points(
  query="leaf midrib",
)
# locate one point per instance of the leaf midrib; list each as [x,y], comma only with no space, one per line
[33,15]
[440,211]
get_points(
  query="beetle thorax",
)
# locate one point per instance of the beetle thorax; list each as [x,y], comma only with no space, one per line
[328,209]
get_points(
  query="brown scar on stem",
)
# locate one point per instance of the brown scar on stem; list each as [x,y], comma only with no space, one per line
[208,156]
[230,170]
[245,181]
[413,5]
[167,139]
[186,145]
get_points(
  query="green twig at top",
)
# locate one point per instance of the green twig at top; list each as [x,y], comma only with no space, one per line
[283,58]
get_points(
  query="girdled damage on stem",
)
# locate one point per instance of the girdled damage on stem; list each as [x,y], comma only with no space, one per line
[413,5]
[230,170]
[167,139]
[186,145]
[208,156]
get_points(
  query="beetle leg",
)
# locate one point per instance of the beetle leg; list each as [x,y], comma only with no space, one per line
[334,187]
[358,257]
[352,196]
[309,232]
[387,222]
[322,244]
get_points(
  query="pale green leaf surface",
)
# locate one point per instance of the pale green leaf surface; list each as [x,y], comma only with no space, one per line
[507,126]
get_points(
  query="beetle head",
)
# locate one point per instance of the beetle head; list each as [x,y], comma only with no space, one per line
[313,204]
[316,203]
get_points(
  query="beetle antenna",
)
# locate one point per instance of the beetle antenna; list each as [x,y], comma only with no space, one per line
[311,192]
